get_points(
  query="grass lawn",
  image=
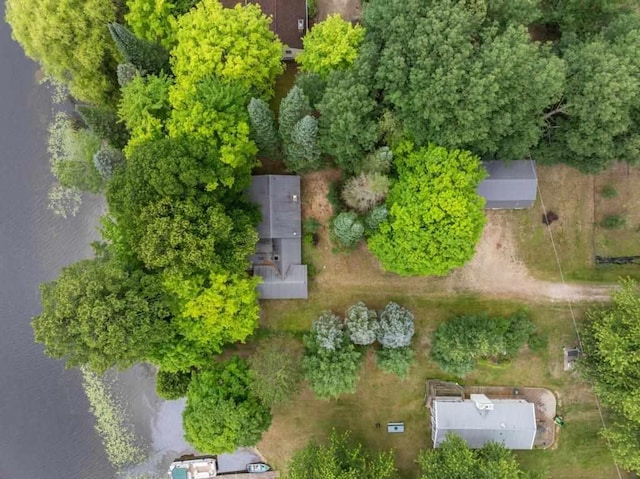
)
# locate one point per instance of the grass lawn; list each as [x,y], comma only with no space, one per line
[578,201]
[382,398]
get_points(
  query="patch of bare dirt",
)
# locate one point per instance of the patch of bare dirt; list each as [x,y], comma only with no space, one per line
[495,270]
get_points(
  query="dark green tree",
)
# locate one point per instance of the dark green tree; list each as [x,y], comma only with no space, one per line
[149,57]
[103,121]
[293,108]
[99,315]
[302,153]
[341,458]
[313,86]
[222,413]
[172,385]
[263,131]
[396,361]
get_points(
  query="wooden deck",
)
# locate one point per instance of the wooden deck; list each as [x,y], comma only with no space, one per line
[246,475]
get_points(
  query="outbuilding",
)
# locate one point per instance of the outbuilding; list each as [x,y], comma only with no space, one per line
[509,185]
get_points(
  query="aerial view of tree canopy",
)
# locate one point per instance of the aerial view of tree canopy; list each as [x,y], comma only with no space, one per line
[611,341]
[330,45]
[454,460]
[222,413]
[435,215]
[155,20]
[341,458]
[230,44]
[458,81]
[98,314]
[71,41]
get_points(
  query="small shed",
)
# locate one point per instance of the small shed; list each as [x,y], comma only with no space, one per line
[480,420]
[509,185]
[278,256]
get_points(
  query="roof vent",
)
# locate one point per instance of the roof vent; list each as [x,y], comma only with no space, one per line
[483,403]
[294,198]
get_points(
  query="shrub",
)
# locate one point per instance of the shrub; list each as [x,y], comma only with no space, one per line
[361,323]
[460,341]
[378,161]
[263,131]
[172,385]
[608,191]
[104,123]
[313,86]
[327,331]
[396,326]
[363,192]
[375,217]
[275,370]
[106,160]
[538,342]
[396,361]
[347,229]
[330,372]
[126,72]
[334,198]
[614,222]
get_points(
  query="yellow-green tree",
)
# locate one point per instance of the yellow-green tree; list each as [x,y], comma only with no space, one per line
[71,41]
[330,45]
[435,215]
[230,44]
[153,20]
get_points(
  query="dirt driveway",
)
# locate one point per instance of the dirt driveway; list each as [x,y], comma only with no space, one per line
[496,270]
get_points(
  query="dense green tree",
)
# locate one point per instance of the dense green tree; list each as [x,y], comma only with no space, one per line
[70,41]
[330,45]
[172,385]
[149,58]
[313,86]
[221,413]
[103,121]
[361,324]
[99,315]
[153,20]
[263,130]
[233,44]
[214,112]
[435,215]
[341,458]
[454,460]
[347,229]
[396,361]
[598,121]
[583,18]
[275,370]
[459,342]
[144,108]
[395,326]
[348,119]
[302,153]
[293,108]
[457,80]
[331,372]
[611,341]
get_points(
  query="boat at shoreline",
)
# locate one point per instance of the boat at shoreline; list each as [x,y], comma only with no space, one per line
[194,467]
[258,467]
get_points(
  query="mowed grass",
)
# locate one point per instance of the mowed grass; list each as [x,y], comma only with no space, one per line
[578,234]
[382,398]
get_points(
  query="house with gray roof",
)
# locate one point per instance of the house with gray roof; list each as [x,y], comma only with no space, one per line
[480,420]
[278,256]
[509,185]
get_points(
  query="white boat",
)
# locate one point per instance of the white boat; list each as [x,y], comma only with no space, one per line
[191,467]
[258,467]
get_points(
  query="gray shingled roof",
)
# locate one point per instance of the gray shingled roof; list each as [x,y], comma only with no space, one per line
[279,252]
[509,185]
[512,422]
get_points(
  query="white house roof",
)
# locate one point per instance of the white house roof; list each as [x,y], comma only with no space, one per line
[511,422]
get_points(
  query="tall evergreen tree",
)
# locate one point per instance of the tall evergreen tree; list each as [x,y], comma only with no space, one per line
[302,153]
[147,56]
[293,108]
[263,131]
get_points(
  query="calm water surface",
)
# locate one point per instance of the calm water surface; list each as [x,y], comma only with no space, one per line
[46,427]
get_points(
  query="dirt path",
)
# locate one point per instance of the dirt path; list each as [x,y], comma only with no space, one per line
[495,270]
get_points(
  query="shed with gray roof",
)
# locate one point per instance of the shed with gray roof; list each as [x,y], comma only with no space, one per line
[480,420]
[509,185]
[278,255]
